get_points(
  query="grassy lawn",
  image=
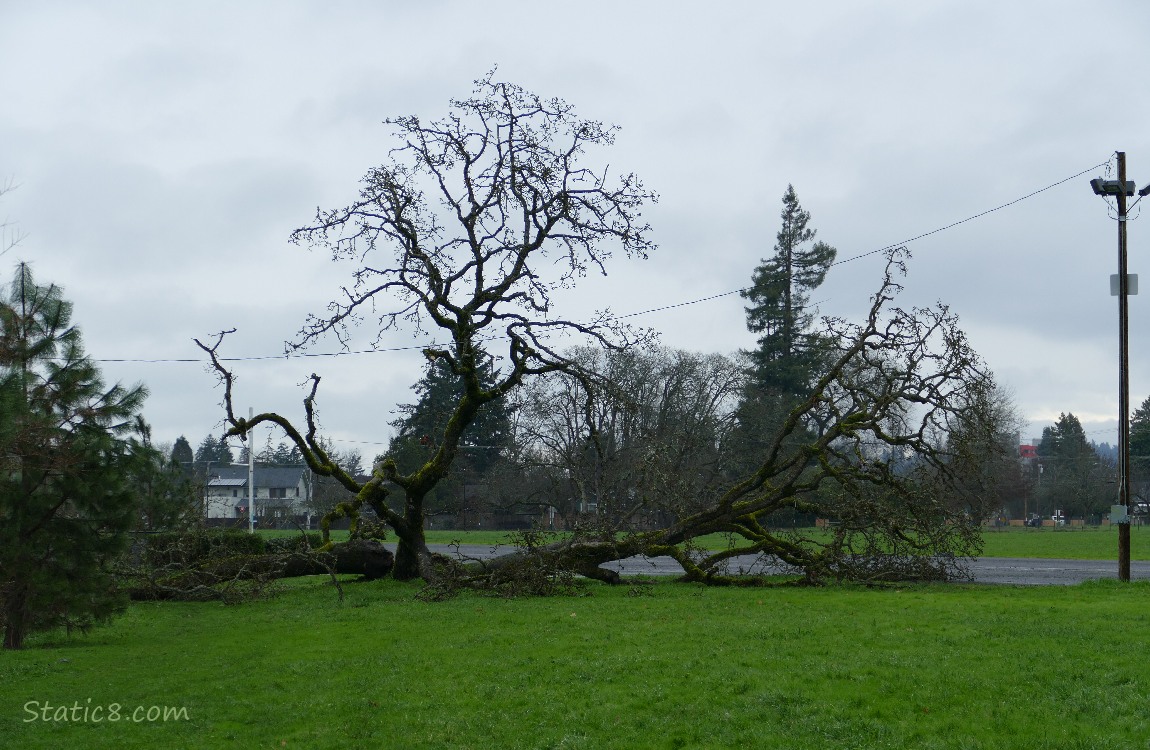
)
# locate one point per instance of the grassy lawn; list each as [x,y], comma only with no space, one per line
[1091,543]
[660,666]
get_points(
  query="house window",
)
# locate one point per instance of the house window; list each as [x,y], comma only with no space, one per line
[277,492]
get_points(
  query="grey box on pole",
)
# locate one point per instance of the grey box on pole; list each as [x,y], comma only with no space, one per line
[1131,284]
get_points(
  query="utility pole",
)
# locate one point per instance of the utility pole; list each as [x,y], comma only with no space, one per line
[1121,286]
[1123,379]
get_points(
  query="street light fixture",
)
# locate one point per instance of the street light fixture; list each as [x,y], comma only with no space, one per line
[1114,187]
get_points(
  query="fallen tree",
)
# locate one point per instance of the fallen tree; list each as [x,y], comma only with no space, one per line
[202,565]
[888,448]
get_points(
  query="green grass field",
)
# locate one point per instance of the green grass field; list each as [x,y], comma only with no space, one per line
[1073,544]
[659,666]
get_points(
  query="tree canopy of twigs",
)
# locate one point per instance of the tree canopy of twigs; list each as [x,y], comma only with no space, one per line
[468,229]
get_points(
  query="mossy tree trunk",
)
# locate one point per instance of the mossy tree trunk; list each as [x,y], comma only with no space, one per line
[412,558]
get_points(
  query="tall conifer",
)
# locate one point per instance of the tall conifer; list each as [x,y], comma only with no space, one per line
[788,354]
[73,452]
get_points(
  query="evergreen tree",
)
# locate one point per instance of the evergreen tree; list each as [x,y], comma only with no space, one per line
[286,455]
[206,452]
[282,454]
[214,452]
[73,454]
[1073,479]
[168,493]
[224,456]
[419,428]
[424,421]
[788,353]
[182,454]
[1140,442]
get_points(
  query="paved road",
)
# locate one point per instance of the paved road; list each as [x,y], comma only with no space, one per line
[1033,572]
[1003,570]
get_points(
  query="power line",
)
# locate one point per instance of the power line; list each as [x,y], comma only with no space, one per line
[276,356]
[628,315]
[976,216]
[888,247]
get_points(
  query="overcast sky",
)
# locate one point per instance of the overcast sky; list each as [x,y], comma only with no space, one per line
[163,153]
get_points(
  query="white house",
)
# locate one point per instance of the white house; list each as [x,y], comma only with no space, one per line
[280,492]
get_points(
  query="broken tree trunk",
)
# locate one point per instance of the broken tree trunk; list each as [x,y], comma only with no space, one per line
[234,576]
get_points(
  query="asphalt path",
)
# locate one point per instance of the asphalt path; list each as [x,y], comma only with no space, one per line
[994,570]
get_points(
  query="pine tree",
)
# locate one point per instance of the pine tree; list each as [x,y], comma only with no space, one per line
[788,354]
[73,454]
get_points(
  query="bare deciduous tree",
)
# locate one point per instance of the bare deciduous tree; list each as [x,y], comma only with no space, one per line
[643,449]
[468,229]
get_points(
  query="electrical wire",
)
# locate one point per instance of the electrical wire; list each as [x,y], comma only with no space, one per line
[274,356]
[892,246]
[662,308]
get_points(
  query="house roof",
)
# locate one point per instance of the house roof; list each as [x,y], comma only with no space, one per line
[236,475]
[221,482]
